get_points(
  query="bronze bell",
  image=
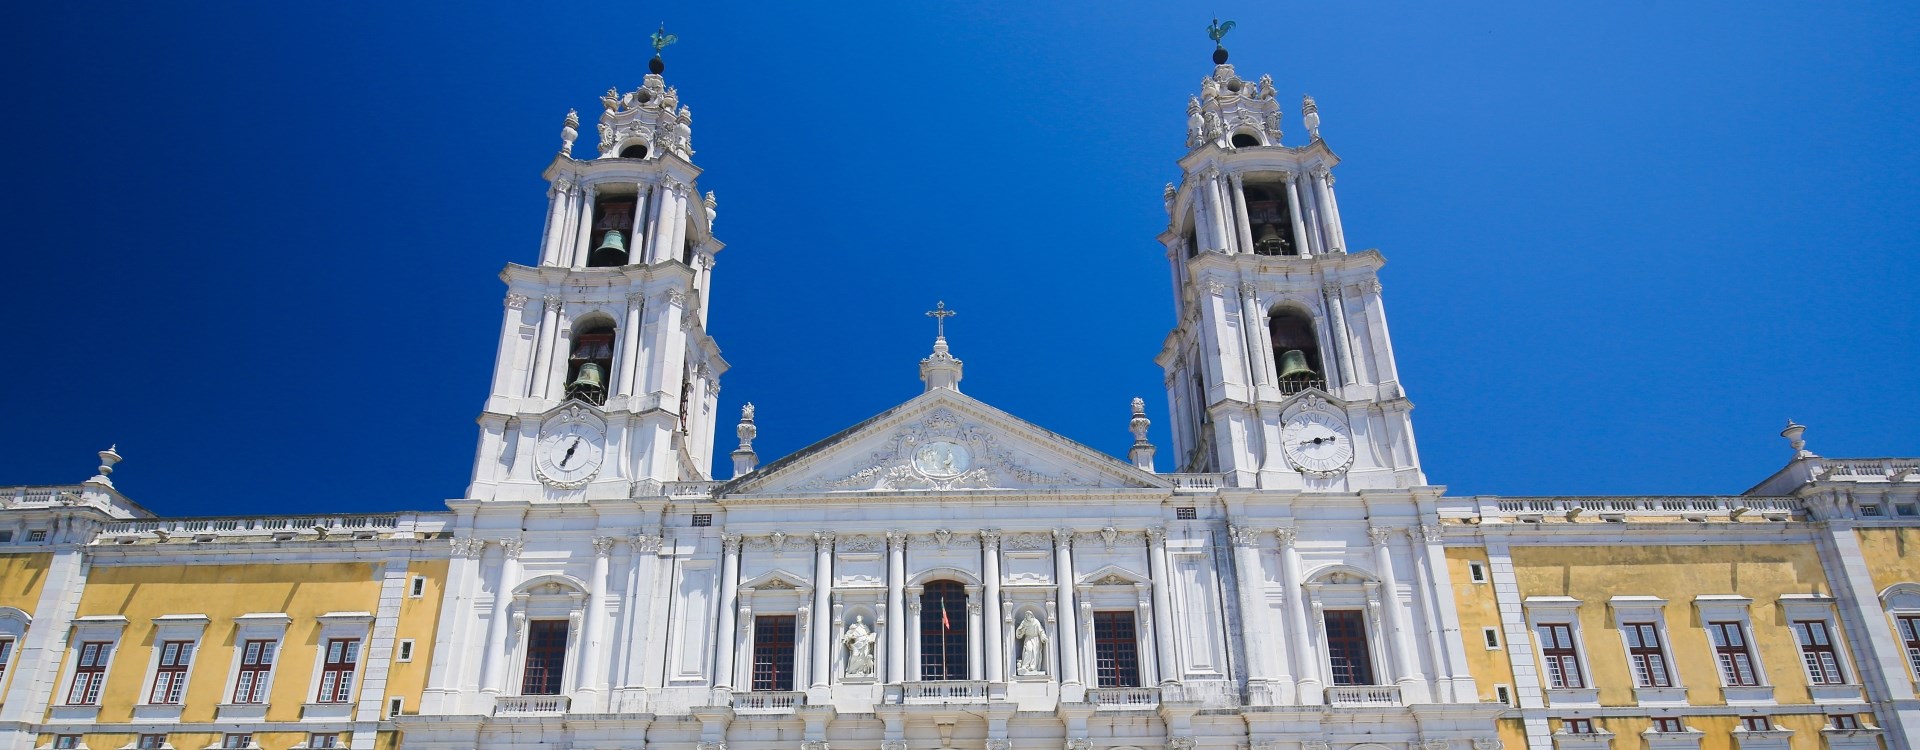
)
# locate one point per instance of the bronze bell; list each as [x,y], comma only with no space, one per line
[1293,364]
[1269,241]
[591,384]
[612,250]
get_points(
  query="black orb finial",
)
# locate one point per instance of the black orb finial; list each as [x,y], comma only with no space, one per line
[1217,31]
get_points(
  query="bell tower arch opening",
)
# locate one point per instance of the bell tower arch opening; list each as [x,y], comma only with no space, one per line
[591,360]
[1296,350]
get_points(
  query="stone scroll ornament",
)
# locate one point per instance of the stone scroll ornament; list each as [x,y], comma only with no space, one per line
[940,452]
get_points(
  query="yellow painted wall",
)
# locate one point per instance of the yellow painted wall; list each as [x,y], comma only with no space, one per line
[21,578]
[419,620]
[222,592]
[1513,733]
[1893,555]
[188,740]
[1678,574]
[1478,610]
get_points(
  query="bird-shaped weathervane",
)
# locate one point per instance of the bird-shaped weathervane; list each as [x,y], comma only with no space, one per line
[1217,31]
[660,41]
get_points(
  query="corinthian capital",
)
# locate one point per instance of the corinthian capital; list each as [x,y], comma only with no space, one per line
[516,302]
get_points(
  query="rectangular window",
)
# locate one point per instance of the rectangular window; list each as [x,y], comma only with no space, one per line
[89,671]
[6,535]
[1843,721]
[152,741]
[37,535]
[235,740]
[1906,509]
[703,519]
[773,652]
[256,665]
[1816,649]
[1871,511]
[943,631]
[6,657]
[1668,724]
[1491,636]
[1477,571]
[394,704]
[1185,514]
[1730,649]
[1116,649]
[1577,726]
[66,741]
[1756,724]
[1643,650]
[170,677]
[336,673]
[323,740]
[1347,650]
[1563,659]
[1909,637]
[1503,694]
[546,657]
[419,587]
[405,652]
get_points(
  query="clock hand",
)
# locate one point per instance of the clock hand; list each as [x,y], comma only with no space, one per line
[569,456]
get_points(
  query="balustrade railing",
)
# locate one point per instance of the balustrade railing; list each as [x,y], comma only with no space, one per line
[529,705]
[1364,695]
[40,496]
[768,702]
[1651,505]
[246,526]
[1198,481]
[944,691]
[1293,385]
[1121,699]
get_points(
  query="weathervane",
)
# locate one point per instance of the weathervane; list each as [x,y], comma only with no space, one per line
[660,41]
[1217,31]
[940,313]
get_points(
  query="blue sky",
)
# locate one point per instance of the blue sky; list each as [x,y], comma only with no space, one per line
[255,244]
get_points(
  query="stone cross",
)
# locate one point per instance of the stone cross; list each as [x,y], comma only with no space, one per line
[940,313]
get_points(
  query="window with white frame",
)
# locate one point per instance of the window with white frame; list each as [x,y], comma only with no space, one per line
[1561,654]
[90,673]
[405,651]
[341,639]
[1477,571]
[1647,655]
[176,640]
[1555,624]
[236,740]
[323,740]
[1817,652]
[1909,629]
[170,675]
[152,741]
[1822,650]
[1642,621]
[1902,601]
[256,646]
[1730,633]
[1731,652]
[66,741]
[6,657]
[417,587]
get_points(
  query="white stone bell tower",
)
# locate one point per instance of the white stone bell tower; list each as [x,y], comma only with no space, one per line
[606,374]
[1279,371]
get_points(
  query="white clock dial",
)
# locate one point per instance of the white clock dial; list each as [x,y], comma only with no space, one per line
[1318,443]
[569,454]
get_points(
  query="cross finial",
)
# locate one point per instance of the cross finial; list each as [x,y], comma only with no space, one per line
[940,313]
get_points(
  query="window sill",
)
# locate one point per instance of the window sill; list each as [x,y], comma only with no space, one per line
[1687,740]
[1852,739]
[73,713]
[1777,739]
[1584,740]
[241,712]
[160,712]
[1748,694]
[1835,694]
[1660,696]
[326,711]
[1573,697]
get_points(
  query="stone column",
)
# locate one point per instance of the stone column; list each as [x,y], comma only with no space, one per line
[896,607]
[559,211]
[976,641]
[1068,613]
[636,246]
[1301,244]
[1309,692]
[576,255]
[1377,325]
[543,346]
[593,651]
[1425,538]
[630,367]
[1253,327]
[1406,669]
[499,647]
[822,596]
[676,218]
[725,635]
[1243,227]
[1336,301]
[508,354]
[995,648]
[1163,642]
[1253,605]
[1329,215]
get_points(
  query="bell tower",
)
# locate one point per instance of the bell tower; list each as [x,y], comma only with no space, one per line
[606,374]
[1279,370]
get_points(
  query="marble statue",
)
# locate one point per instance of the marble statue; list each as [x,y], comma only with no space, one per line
[1033,646]
[859,642]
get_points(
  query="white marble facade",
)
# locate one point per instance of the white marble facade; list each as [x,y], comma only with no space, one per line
[1300,503]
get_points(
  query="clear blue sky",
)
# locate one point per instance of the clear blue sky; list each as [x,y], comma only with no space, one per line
[255,244]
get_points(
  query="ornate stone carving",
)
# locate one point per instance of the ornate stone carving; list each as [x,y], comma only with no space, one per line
[942,537]
[516,302]
[779,540]
[711,745]
[823,540]
[896,541]
[893,745]
[941,452]
[859,642]
[1380,534]
[553,302]
[730,543]
[1079,743]
[1157,536]
[1436,744]
[677,298]
[1287,535]
[1430,533]
[513,546]
[990,540]
[999,745]
[813,745]
[644,542]
[859,544]
[1248,290]
[1186,743]
[466,546]
[1109,535]
[1488,743]
[1244,536]
[1028,541]
[1063,539]
[603,545]
[1216,287]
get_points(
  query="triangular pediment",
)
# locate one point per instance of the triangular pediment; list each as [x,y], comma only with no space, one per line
[943,440]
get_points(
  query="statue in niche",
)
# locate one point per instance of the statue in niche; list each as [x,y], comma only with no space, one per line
[859,642]
[1033,646]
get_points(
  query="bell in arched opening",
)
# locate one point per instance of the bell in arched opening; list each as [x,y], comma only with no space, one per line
[1293,366]
[611,252]
[590,386]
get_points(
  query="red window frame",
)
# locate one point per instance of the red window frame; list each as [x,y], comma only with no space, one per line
[1909,626]
[89,672]
[546,663]
[342,660]
[236,740]
[773,644]
[1650,667]
[1348,652]
[1668,724]
[943,631]
[1562,655]
[323,740]
[1577,726]
[1843,721]
[170,672]
[152,741]
[1116,649]
[256,672]
[1730,649]
[66,741]
[1817,652]
[1756,723]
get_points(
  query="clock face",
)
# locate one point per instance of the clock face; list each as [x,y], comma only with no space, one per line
[569,454]
[1317,443]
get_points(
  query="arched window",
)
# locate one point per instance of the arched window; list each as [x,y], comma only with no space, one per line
[943,631]
[591,364]
[634,151]
[1244,140]
[1272,228]
[1296,351]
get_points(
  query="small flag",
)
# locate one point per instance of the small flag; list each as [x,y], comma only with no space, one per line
[945,624]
